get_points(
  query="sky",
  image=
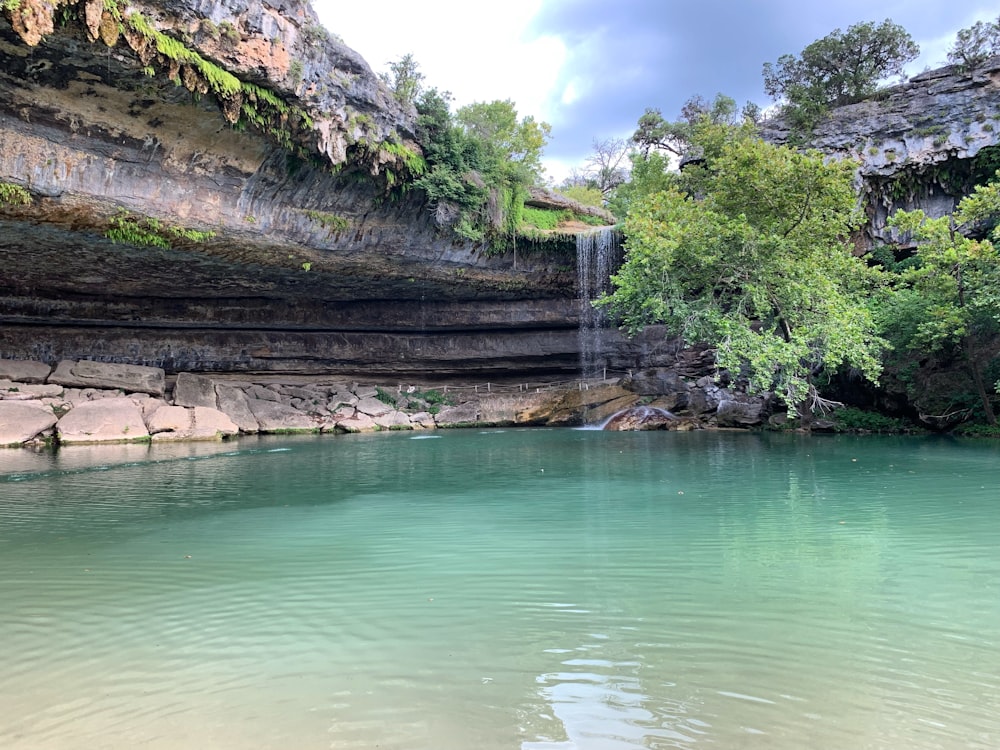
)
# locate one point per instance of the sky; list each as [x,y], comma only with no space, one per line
[590,68]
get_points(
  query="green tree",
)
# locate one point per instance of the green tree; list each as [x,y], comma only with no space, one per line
[404,79]
[496,125]
[972,46]
[757,266]
[650,173]
[655,133]
[950,297]
[480,162]
[842,67]
[661,145]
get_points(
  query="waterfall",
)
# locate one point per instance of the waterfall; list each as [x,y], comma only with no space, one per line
[598,255]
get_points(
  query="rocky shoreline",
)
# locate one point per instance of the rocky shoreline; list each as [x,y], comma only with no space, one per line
[94,402]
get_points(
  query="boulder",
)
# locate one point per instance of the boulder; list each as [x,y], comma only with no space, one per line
[212,424]
[233,402]
[24,371]
[394,420]
[423,420]
[275,417]
[373,407]
[169,419]
[357,422]
[194,390]
[113,420]
[20,422]
[261,393]
[739,413]
[706,396]
[147,405]
[640,418]
[364,391]
[130,378]
[190,423]
[342,399]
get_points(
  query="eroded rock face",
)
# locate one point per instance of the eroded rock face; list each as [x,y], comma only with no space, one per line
[909,137]
[307,270]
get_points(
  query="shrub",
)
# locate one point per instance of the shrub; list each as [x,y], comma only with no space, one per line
[850,419]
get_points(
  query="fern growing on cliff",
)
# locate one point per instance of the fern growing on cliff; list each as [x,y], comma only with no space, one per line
[146,231]
[13,195]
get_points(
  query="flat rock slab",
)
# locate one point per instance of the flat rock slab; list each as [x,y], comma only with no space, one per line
[274,417]
[110,420]
[21,391]
[130,378]
[20,422]
[24,371]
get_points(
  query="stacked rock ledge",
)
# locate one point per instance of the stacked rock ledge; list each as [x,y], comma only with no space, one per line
[96,402]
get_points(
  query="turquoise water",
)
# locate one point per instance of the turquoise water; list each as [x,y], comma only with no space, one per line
[536,590]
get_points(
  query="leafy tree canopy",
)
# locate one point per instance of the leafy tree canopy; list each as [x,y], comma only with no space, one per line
[657,134]
[756,265]
[842,67]
[480,162]
[660,146]
[495,124]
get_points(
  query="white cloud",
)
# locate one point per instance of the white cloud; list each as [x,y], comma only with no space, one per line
[570,93]
[477,52]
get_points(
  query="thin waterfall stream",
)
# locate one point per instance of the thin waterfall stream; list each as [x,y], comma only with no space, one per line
[598,255]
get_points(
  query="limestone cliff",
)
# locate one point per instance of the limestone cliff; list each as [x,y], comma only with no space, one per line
[920,144]
[212,188]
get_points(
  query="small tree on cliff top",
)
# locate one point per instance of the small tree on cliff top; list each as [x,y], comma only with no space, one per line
[404,79]
[840,68]
[972,46]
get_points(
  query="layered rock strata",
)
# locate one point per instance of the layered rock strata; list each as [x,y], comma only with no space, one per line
[287,247]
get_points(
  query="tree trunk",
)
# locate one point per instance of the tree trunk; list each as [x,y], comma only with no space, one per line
[977,378]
